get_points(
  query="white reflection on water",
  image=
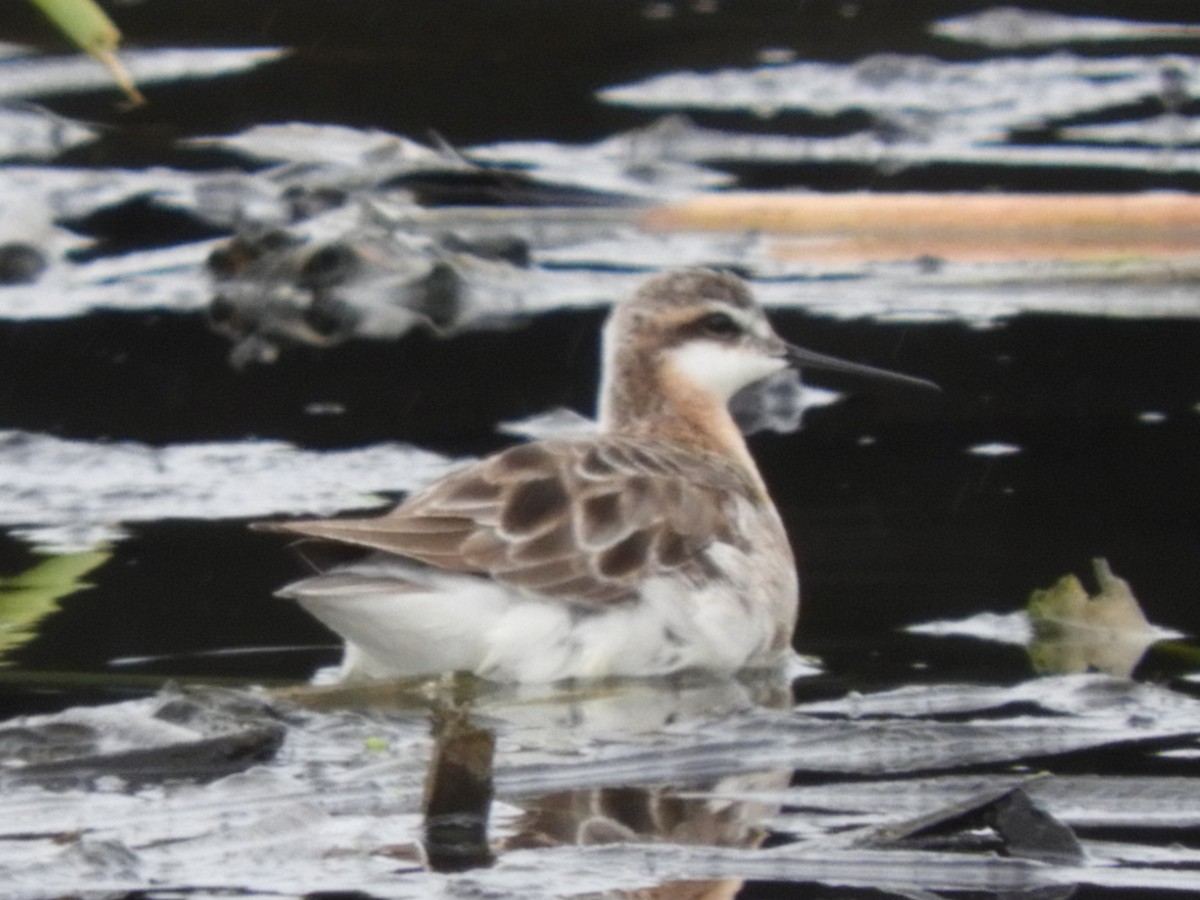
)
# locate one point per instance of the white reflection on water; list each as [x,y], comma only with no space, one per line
[29,75]
[338,806]
[63,495]
[1011,27]
[993,448]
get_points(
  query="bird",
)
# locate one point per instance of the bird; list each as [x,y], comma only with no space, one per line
[648,547]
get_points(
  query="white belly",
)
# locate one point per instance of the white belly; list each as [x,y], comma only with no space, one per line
[398,621]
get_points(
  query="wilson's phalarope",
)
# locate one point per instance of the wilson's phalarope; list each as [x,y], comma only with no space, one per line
[648,547]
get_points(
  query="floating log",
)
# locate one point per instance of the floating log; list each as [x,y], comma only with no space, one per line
[979,227]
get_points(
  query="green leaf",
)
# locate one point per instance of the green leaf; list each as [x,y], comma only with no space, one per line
[29,597]
[1074,632]
[90,28]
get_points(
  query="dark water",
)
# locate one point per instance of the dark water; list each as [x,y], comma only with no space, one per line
[894,518]
[907,528]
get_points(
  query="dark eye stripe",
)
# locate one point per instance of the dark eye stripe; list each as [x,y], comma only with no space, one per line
[718,324]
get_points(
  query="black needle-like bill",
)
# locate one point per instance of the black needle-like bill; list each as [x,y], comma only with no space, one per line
[803,359]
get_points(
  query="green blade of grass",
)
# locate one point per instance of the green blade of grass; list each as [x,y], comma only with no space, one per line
[29,597]
[90,28]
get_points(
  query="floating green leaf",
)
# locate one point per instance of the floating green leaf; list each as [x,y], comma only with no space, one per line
[1074,632]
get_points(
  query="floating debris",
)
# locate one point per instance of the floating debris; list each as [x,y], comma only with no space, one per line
[871,226]
[281,288]
[1067,630]
[1077,632]
[1024,830]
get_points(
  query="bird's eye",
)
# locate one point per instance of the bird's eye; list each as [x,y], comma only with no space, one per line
[720,325]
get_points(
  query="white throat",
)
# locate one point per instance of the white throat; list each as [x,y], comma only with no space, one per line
[722,370]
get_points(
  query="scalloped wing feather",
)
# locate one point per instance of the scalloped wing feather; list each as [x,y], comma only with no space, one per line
[582,520]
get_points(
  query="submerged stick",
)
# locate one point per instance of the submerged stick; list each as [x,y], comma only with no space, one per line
[458,793]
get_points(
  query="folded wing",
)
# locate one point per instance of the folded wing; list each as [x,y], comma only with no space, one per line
[581,520]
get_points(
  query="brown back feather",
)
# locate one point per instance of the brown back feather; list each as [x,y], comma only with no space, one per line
[647,507]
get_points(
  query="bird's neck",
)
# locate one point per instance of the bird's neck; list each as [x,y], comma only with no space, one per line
[649,398]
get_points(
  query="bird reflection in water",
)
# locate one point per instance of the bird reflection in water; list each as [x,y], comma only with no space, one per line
[654,714]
